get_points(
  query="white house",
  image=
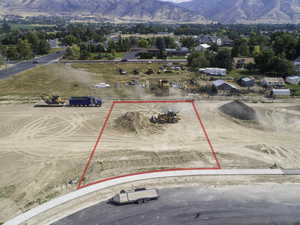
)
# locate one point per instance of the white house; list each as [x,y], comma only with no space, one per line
[281,92]
[202,47]
[272,82]
[214,71]
[293,80]
[297,63]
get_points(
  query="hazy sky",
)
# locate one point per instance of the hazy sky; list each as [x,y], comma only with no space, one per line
[176,0]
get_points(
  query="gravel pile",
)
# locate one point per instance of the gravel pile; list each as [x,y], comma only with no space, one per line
[238,110]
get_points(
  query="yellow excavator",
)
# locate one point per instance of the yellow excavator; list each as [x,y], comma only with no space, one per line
[53,100]
[162,88]
[162,118]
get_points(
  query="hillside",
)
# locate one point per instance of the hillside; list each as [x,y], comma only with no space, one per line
[128,10]
[247,11]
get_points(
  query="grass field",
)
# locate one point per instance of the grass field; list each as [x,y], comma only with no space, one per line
[80,79]
[294,87]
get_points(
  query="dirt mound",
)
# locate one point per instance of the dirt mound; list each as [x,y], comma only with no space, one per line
[136,122]
[238,110]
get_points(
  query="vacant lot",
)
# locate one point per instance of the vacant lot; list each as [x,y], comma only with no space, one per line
[43,150]
[80,79]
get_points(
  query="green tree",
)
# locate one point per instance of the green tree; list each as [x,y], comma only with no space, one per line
[24,49]
[143,43]
[198,60]
[160,43]
[285,44]
[281,66]
[223,59]
[189,42]
[72,52]
[12,53]
[44,47]
[263,60]
[34,40]
[69,40]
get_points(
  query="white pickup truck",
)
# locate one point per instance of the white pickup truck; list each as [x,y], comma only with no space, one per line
[140,195]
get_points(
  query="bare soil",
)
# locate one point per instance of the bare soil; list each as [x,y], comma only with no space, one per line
[43,150]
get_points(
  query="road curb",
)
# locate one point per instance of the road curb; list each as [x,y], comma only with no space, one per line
[106,184]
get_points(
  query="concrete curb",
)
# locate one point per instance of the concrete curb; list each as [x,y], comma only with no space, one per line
[106,184]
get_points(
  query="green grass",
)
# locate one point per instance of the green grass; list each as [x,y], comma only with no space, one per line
[176,57]
[42,80]
[28,26]
[294,87]
[53,50]
[120,55]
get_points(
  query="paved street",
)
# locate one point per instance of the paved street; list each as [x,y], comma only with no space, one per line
[195,206]
[22,66]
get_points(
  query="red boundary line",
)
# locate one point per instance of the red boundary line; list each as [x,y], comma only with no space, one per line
[152,171]
[213,152]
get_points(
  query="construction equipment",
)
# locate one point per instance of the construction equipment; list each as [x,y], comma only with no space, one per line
[162,118]
[149,71]
[88,101]
[162,88]
[140,195]
[53,100]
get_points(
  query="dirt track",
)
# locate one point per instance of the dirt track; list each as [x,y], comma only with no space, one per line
[43,149]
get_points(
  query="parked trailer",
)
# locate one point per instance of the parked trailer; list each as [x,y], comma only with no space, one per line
[139,196]
[85,101]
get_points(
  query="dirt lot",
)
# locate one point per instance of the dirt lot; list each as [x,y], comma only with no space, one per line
[43,150]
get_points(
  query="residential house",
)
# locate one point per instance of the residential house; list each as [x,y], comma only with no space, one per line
[293,80]
[273,82]
[246,82]
[297,63]
[177,52]
[227,42]
[53,43]
[280,92]
[202,47]
[214,71]
[224,86]
[210,39]
[242,62]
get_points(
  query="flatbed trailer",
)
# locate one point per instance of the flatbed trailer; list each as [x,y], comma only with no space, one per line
[140,195]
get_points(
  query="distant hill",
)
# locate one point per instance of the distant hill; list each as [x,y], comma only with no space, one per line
[126,10]
[247,11]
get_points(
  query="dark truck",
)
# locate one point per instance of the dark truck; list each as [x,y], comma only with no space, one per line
[85,101]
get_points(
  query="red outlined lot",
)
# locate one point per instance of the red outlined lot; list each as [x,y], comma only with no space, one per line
[98,141]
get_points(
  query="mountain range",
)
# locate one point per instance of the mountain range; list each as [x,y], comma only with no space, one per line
[122,10]
[194,11]
[247,11]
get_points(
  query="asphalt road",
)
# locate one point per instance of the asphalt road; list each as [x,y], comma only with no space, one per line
[22,66]
[127,61]
[194,206]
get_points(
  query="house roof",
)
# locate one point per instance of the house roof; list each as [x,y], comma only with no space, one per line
[273,79]
[281,90]
[205,45]
[297,59]
[293,77]
[246,79]
[218,83]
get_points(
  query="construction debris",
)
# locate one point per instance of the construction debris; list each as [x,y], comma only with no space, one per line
[136,122]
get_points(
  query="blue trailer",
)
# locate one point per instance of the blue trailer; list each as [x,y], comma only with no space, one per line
[88,101]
